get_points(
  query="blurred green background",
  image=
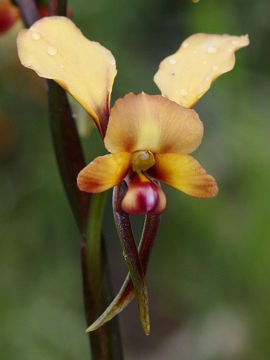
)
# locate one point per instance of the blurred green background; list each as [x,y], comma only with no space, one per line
[209,273]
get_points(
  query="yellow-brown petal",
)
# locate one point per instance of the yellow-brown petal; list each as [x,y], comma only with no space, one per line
[184,173]
[152,123]
[104,172]
[187,74]
[56,49]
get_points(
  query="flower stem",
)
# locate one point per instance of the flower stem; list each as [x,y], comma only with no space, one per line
[28,10]
[70,160]
[126,293]
[131,255]
[105,341]
[93,244]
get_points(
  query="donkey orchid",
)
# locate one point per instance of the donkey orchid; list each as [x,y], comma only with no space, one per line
[149,137]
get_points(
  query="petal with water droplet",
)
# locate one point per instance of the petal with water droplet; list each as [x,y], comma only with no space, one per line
[56,49]
[195,73]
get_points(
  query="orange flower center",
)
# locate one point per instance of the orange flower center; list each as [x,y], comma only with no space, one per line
[142,160]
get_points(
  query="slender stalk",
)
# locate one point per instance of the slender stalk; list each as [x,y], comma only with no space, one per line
[68,152]
[131,255]
[126,293]
[92,275]
[105,344]
[29,11]
[94,240]
[70,160]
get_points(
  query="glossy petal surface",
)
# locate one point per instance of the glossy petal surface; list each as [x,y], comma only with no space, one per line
[104,172]
[184,173]
[144,197]
[152,123]
[56,49]
[187,74]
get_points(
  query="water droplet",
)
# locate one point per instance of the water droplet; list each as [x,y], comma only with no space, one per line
[172,61]
[215,67]
[208,78]
[185,44]
[204,62]
[52,50]
[183,92]
[35,36]
[211,50]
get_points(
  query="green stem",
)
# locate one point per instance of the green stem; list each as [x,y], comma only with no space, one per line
[70,160]
[126,293]
[131,255]
[93,244]
[105,341]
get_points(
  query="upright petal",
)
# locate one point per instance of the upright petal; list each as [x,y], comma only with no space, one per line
[184,173]
[56,49]
[104,172]
[152,123]
[187,74]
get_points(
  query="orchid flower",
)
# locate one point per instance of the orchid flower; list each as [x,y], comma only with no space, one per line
[148,137]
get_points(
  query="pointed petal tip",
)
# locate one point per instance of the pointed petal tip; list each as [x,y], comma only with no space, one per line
[146,329]
[91,328]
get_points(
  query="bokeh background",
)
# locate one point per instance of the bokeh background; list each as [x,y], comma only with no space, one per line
[209,273]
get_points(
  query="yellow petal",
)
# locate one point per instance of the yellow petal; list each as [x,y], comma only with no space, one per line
[56,49]
[104,172]
[152,123]
[187,74]
[184,173]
